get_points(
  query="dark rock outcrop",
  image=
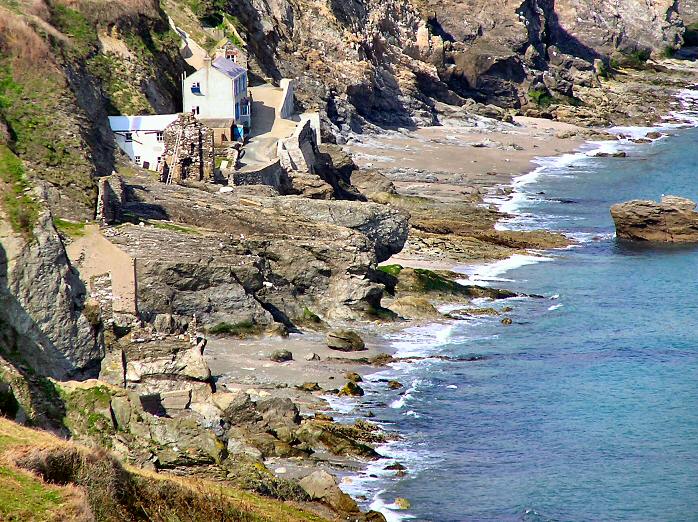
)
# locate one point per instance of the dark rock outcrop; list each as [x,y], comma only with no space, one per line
[672,220]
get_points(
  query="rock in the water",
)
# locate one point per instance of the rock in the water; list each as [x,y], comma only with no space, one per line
[345,341]
[312,357]
[351,389]
[394,385]
[402,503]
[619,154]
[672,220]
[320,485]
[281,356]
[353,377]
[507,321]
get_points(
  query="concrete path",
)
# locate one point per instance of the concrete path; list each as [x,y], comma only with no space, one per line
[267,127]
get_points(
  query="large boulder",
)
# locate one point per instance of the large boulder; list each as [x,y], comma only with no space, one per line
[320,485]
[345,341]
[672,220]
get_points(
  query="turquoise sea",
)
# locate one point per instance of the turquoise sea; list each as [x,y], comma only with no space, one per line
[586,407]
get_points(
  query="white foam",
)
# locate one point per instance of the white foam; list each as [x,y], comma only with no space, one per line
[555,307]
[484,274]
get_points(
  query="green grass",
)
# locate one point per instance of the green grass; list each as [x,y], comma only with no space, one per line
[72,23]
[309,317]
[69,228]
[114,492]
[393,270]
[541,97]
[631,60]
[122,97]
[25,497]
[21,208]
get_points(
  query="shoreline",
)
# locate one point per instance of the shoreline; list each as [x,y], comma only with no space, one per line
[496,268]
[329,374]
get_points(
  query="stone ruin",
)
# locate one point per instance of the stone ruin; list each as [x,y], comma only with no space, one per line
[189,152]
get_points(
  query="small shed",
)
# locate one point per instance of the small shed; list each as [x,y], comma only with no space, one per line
[223,129]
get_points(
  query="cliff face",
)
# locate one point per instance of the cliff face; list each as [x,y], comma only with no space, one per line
[43,323]
[391,63]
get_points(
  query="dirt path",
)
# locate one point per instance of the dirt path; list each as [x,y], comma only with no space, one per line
[191,51]
[95,255]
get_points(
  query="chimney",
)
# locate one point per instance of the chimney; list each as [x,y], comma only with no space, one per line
[207,66]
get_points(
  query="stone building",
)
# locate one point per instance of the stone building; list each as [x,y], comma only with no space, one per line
[189,151]
[228,50]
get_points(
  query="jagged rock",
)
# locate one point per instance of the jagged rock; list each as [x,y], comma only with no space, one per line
[183,442]
[506,321]
[672,220]
[188,363]
[264,255]
[351,389]
[42,306]
[395,385]
[414,307]
[121,411]
[280,356]
[276,412]
[385,227]
[239,447]
[175,400]
[237,407]
[320,485]
[353,377]
[345,341]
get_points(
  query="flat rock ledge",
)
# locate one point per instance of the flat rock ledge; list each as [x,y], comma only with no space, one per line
[672,220]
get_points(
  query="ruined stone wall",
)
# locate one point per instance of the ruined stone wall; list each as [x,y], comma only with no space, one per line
[110,199]
[189,151]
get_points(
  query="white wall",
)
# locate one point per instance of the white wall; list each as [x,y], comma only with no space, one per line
[287,105]
[216,99]
[145,145]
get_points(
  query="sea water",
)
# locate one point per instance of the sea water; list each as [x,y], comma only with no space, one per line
[586,407]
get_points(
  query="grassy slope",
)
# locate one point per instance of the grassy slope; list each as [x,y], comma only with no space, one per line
[90,481]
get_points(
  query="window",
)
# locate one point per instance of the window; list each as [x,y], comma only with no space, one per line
[137,159]
[129,136]
[244,109]
[237,110]
[195,110]
[160,136]
[196,88]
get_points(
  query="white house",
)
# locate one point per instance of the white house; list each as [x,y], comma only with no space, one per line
[141,137]
[218,91]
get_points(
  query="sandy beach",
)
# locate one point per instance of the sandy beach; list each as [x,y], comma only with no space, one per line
[457,159]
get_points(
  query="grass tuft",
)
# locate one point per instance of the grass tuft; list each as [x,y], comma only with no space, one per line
[21,208]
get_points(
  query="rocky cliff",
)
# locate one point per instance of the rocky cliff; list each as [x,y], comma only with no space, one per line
[393,63]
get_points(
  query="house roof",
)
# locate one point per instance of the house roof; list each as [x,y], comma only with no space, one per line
[156,122]
[228,67]
[218,123]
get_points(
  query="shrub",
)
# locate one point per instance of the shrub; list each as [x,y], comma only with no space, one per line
[541,97]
